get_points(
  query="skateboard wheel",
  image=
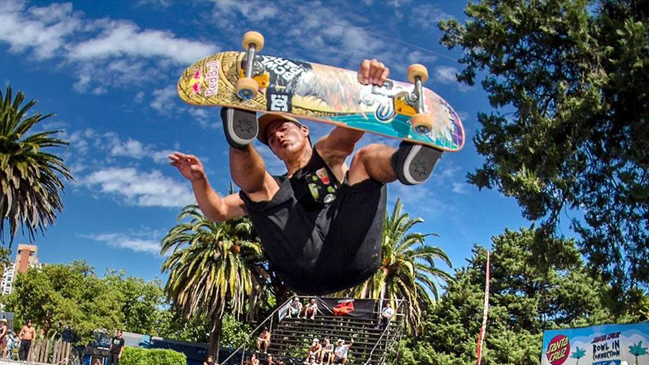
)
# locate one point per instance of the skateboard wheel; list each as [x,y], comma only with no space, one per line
[254,38]
[417,70]
[422,123]
[246,88]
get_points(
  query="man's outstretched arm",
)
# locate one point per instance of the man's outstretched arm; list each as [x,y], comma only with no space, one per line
[212,205]
[341,142]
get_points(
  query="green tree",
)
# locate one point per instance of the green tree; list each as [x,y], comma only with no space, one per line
[142,302]
[570,131]
[62,298]
[29,174]
[408,270]
[637,350]
[578,354]
[537,283]
[213,267]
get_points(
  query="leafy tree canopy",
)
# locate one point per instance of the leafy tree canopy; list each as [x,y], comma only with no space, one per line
[569,82]
[532,289]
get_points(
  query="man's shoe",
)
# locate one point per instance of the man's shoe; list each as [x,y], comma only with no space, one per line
[240,126]
[414,163]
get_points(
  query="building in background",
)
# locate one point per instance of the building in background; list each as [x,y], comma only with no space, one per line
[26,258]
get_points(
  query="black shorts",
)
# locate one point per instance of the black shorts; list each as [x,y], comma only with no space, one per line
[325,251]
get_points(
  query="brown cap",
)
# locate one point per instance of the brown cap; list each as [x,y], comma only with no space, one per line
[266,119]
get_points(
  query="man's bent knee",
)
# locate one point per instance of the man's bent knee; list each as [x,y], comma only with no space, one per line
[265,192]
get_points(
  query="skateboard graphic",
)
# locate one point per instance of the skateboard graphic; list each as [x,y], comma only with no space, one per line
[321,93]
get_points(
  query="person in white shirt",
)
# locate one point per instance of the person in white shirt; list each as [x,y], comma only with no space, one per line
[342,351]
[386,315]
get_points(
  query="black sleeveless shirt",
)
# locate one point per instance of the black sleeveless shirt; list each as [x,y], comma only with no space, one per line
[314,185]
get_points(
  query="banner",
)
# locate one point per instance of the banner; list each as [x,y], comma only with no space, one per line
[615,344]
[363,308]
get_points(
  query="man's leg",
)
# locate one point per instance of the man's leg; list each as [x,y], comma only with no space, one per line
[246,165]
[372,161]
[411,164]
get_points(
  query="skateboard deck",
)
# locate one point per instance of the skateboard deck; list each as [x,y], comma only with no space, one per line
[322,94]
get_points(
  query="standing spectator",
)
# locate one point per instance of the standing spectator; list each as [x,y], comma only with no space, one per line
[310,309]
[116,347]
[263,340]
[27,334]
[294,309]
[342,351]
[209,361]
[386,315]
[3,337]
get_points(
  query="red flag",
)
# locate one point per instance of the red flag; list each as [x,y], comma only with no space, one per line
[344,308]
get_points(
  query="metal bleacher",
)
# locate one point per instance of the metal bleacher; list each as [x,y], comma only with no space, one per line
[291,337]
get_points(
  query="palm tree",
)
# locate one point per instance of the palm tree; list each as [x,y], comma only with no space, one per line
[407,270]
[213,267]
[29,176]
[578,354]
[637,350]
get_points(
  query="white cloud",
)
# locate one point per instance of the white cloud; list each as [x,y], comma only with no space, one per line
[253,11]
[445,74]
[427,16]
[164,99]
[149,189]
[461,188]
[126,39]
[207,117]
[42,29]
[129,242]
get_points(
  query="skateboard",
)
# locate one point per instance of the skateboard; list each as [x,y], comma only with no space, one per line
[321,93]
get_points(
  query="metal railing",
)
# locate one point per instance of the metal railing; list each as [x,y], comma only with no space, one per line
[254,331]
[385,333]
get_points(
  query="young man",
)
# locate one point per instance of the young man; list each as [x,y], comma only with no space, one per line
[263,340]
[27,334]
[310,309]
[3,337]
[116,348]
[327,352]
[294,309]
[321,223]
[386,314]
[342,351]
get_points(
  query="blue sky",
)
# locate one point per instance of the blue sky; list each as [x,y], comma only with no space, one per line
[108,70]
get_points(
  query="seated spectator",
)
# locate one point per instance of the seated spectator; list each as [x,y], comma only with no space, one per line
[209,361]
[253,360]
[310,309]
[270,360]
[386,315]
[263,340]
[327,352]
[314,352]
[294,309]
[342,351]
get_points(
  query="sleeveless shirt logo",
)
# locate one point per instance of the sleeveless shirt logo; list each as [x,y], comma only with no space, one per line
[320,186]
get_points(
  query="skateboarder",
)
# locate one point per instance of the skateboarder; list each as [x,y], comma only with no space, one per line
[321,223]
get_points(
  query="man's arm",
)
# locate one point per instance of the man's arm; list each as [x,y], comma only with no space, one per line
[212,205]
[22,332]
[335,147]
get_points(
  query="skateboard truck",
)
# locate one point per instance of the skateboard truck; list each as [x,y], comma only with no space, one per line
[246,87]
[421,123]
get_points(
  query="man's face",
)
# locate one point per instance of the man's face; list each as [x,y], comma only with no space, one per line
[285,138]
[119,334]
[29,323]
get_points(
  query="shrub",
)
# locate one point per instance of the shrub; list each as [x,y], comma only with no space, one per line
[140,356]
